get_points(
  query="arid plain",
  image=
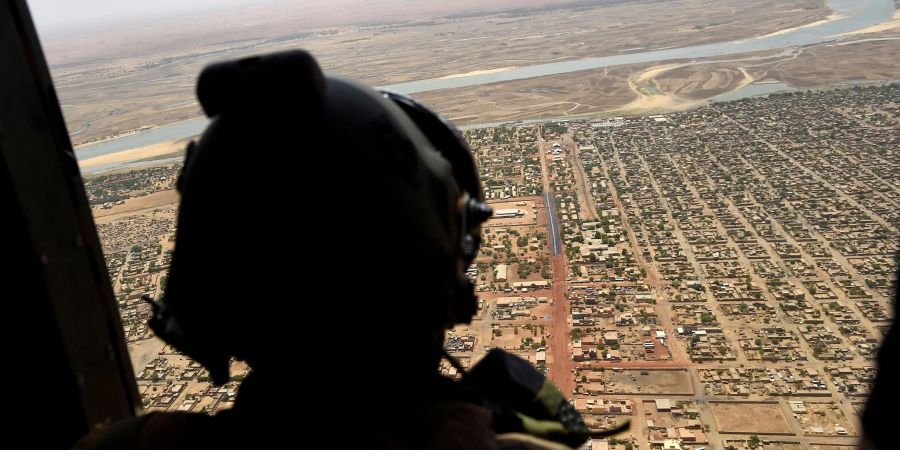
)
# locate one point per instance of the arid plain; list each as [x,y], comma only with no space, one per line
[143,76]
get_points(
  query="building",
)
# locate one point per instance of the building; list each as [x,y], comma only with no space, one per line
[797,407]
[611,337]
[502,272]
[671,444]
[531,284]
[508,213]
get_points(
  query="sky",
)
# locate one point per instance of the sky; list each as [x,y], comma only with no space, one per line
[56,14]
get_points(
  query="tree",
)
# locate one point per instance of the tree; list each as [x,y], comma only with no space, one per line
[754,441]
[575,334]
[819,348]
[522,241]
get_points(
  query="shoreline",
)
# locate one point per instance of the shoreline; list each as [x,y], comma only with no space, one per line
[166,152]
[115,136]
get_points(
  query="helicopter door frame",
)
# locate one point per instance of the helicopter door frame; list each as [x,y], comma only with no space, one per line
[68,355]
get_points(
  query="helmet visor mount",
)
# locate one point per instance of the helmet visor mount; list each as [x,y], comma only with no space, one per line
[449,142]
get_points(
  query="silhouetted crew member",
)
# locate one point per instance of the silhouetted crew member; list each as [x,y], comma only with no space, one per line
[879,418]
[323,234]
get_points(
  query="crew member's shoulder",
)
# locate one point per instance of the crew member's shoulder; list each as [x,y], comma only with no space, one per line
[521,441]
[457,425]
[156,431]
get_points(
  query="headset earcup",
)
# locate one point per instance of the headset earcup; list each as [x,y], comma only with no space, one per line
[466,302]
[276,85]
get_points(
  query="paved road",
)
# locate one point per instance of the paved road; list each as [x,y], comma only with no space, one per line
[555,243]
[560,370]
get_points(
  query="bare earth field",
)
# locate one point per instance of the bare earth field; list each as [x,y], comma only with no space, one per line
[527,207]
[855,59]
[670,382]
[767,418]
[822,418]
[571,94]
[699,82]
[137,205]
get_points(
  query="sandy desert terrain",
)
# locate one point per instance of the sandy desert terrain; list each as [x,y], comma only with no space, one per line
[114,79]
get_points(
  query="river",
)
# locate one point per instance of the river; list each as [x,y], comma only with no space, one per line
[854,15]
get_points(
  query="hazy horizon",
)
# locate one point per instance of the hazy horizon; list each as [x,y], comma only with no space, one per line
[56,18]
[57,15]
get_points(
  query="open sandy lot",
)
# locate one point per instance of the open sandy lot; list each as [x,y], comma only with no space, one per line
[136,205]
[670,382]
[821,419]
[528,216]
[768,418]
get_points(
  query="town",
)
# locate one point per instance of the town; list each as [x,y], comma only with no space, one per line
[682,271]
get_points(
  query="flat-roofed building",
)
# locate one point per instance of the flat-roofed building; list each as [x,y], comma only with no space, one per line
[502,272]
[663,404]
[507,213]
